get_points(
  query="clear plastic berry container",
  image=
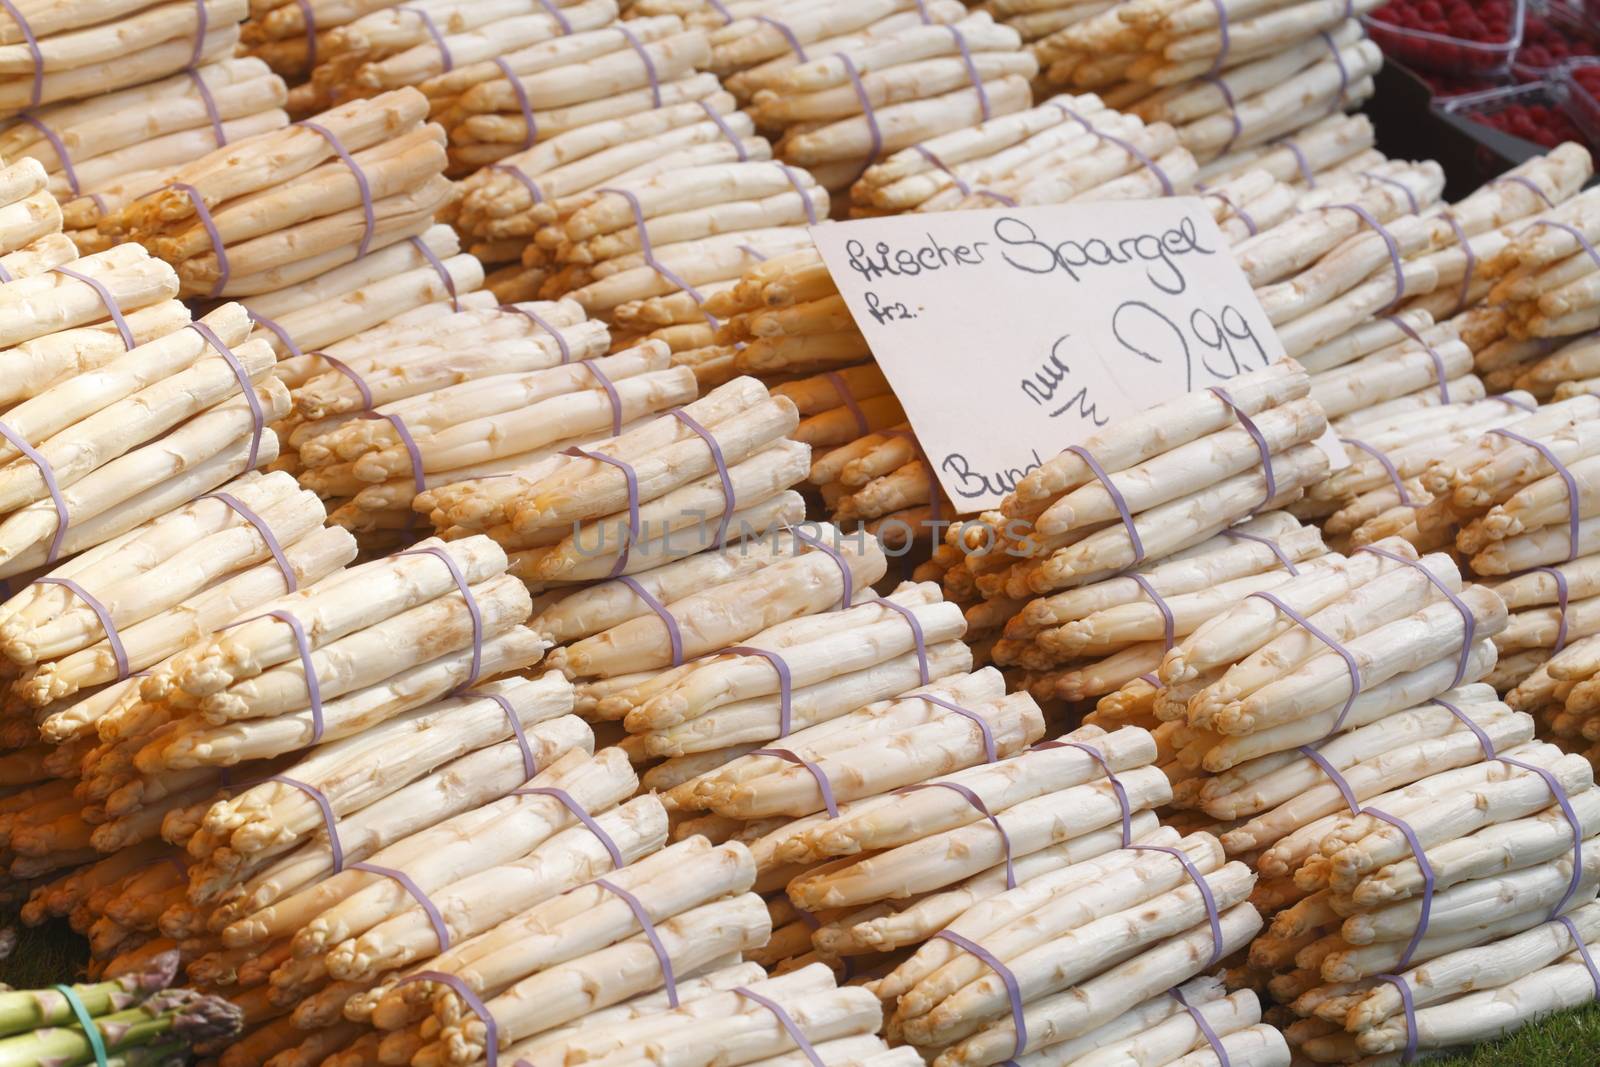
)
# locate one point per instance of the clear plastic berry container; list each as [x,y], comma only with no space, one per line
[1579,82]
[1553,33]
[1466,38]
[1543,113]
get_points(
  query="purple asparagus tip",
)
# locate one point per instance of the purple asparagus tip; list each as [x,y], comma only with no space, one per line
[157,974]
[208,1018]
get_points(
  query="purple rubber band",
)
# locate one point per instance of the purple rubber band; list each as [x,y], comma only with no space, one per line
[729,501]
[1168,623]
[419,481]
[405,881]
[1526,183]
[631,478]
[788,35]
[279,331]
[1388,468]
[1261,444]
[867,112]
[1302,164]
[530,766]
[47,473]
[922,9]
[972,69]
[202,22]
[555,12]
[257,415]
[644,57]
[5,275]
[472,608]
[989,753]
[721,9]
[1576,234]
[785,683]
[491,1032]
[67,169]
[361,181]
[1117,787]
[571,804]
[531,125]
[1411,198]
[1389,242]
[329,821]
[1344,653]
[1410,1007]
[788,1024]
[202,213]
[32,42]
[303,644]
[527,183]
[1337,103]
[1227,98]
[611,393]
[1145,161]
[1205,1028]
[1240,213]
[754,253]
[1310,752]
[1583,952]
[823,785]
[309,15]
[1469,625]
[1226,42]
[642,917]
[934,161]
[1573,518]
[539,321]
[847,592]
[1472,261]
[1427,880]
[1562,595]
[674,634]
[1116,499]
[983,809]
[1272,546]
[805,197]
[1002,972]
[1206,896]
[355,379]
[1150,680]
[1433,354]
[433,31]
[438,267]
[210,102]
[727,131]
[1484,742]
[846,397]
[100,206]
[1562,801]
[107,299]
[916,635]
[1516,405]
[647,249]
[118,653]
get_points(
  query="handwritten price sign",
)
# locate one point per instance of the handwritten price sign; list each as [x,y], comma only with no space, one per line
[1010,334]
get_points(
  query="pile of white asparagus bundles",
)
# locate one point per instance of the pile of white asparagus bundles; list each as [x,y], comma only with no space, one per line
[670,485]
[280,208]
[168,414]
[392,46]
[1091,640]
[603,70]
[1550,607]
[1335,144]
[647,252]
[1185,470]
[113,148]
[1560,693]
[288,34]
[1427,891]
[845,83]
[1227,79]
[1543,276]
[74,50]
[504,204]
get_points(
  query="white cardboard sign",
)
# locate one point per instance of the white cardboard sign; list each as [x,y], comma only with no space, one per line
[1010,334]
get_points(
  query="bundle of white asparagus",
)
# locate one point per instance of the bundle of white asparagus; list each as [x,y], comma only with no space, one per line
[75,50]
[1185,470]
[1334,145]
[1547,367]
[288,34]
[1560,693]
[31,241]
[504,204]
[107,151]
[648,252]
[389,47]
[1543,277]
[1550,607]
[601,72]
[715,470]
[846,83]
[281,208]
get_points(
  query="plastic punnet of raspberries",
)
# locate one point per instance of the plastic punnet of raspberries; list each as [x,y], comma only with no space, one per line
[1461,23]
[1548,43]
[1540,123]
